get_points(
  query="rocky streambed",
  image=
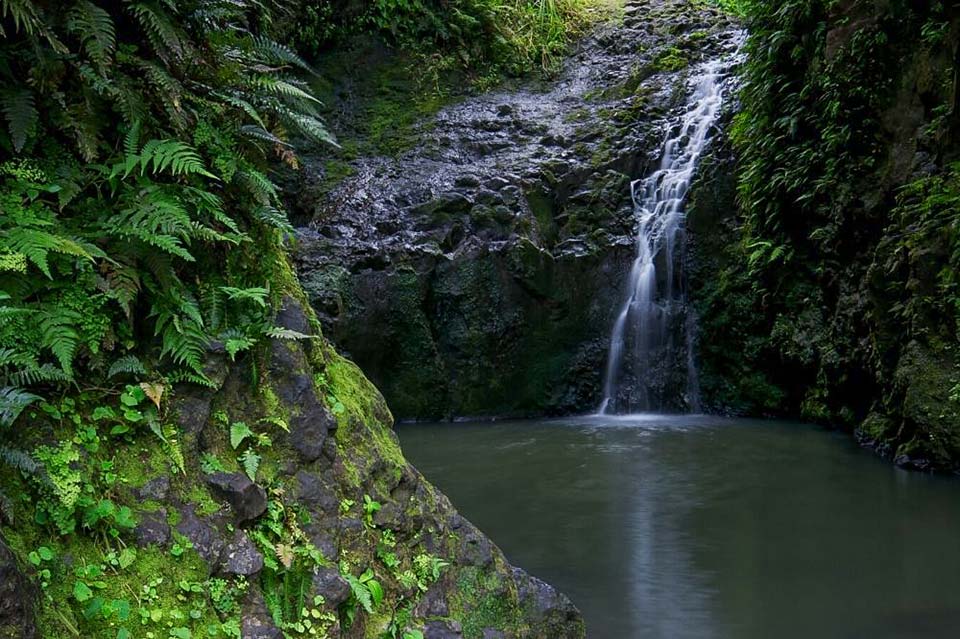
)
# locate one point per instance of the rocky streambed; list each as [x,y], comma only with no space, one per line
[478,272]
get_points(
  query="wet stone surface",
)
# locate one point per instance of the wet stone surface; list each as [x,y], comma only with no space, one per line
[507,231]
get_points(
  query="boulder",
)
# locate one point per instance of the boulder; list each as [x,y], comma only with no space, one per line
[247,499]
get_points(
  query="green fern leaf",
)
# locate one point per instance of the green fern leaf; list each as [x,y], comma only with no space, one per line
[21,114]
[94,26]
[24,14]
[275,53]
[13,401]
[273,217]
[251,463]
[161,32]
[127,365]
[180,158]
[60,337]
[131,140]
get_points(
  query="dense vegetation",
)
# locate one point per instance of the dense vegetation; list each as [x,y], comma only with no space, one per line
[843,282]
[491,36]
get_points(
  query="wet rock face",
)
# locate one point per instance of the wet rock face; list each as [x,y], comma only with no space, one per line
[480,272]
[17,597]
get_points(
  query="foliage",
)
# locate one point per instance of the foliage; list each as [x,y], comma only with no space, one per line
[843,276]
[134,188]
[514,36]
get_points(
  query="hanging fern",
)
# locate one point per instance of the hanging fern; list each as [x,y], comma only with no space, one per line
[21,114]
[94,26]
[13,401]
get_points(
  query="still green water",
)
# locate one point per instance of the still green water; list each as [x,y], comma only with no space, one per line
[701,527]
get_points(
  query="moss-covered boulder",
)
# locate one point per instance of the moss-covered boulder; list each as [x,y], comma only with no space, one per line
[278,504]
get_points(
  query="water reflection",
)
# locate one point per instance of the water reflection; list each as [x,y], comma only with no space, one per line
[699,527]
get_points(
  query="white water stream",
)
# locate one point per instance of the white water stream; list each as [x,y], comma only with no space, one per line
[653,325]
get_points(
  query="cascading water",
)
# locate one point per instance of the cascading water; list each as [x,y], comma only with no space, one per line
[651,354]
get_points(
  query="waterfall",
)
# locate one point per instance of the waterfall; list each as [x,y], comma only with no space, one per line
[651,354]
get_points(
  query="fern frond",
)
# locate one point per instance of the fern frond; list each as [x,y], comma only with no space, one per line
[256,294]
[131,141]
[21,114]
[122,284]
[310,127]
[213,303]
[24,14]
[183,339]
[36,245]
[259,133]
[273,217]
[179,157]
[31,376]
[13,401]
[189,377]
[275,53]
[236,341]
[284,88]
[94,26]
[258,185]
[161,32]
[20,460]
[278,332]
[157,219]
[127,365]
[60,337]
[244,106]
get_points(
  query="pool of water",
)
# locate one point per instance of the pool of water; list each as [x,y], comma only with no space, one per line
[701,527]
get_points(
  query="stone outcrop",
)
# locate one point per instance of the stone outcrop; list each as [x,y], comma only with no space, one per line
[479,272]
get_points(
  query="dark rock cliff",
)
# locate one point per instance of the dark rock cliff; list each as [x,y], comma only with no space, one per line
[480,272]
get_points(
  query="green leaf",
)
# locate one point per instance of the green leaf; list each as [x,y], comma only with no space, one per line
[81,592]
[239,431]
[103,412]
[124,518]
[251,463]
[127,557]
[376,591]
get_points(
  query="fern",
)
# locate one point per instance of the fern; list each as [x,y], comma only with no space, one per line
[23,13]
[277,332]
[251,463]
[275,53]
[60,337]
[158,156]
[256,295]
[163,35]
[127,365]
[94,26]
[36,246]
[272,217]
[20,111]
[13,401]
[258,185]
[33,375]
[131,141]
[189,377]
[20,460]
[235,341]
